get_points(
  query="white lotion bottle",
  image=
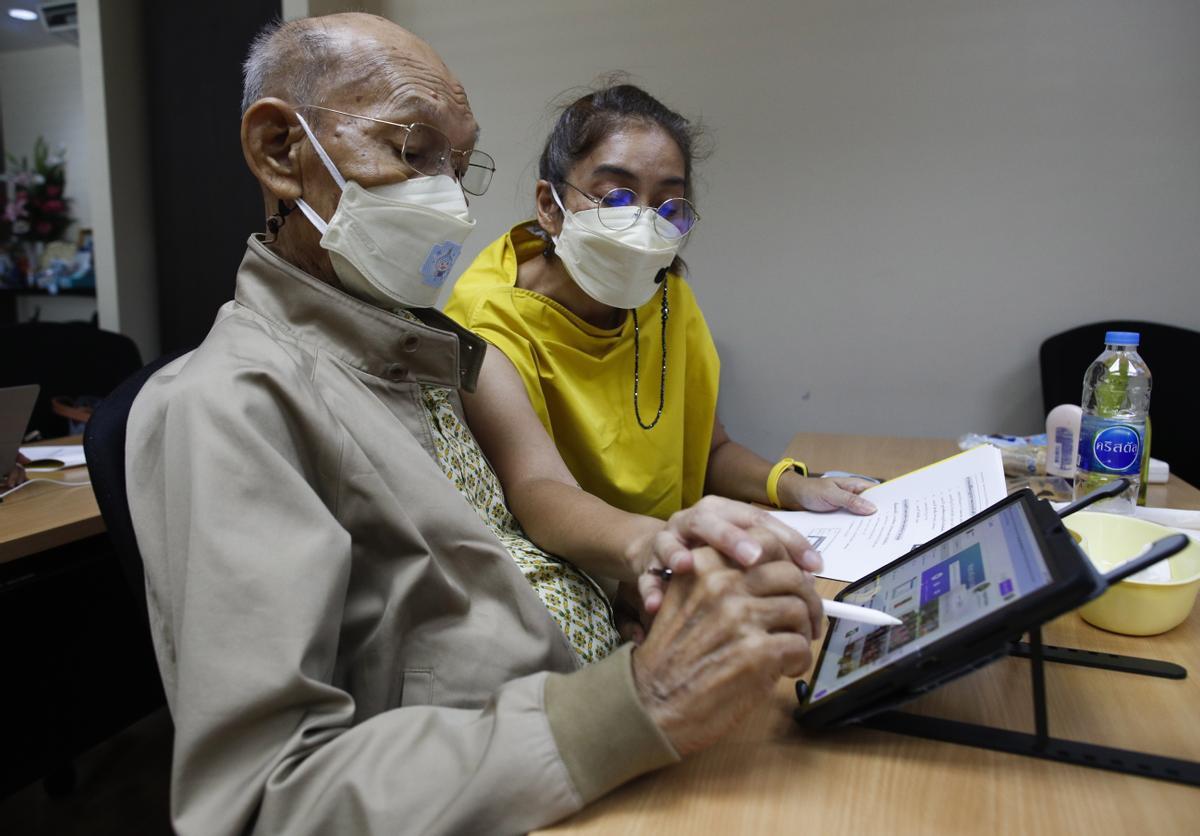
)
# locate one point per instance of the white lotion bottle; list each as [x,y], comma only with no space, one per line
[1062,439]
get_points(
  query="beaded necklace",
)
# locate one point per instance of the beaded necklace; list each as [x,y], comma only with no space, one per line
[662,380]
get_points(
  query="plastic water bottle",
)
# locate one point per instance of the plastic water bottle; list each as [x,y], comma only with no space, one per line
[1116,402]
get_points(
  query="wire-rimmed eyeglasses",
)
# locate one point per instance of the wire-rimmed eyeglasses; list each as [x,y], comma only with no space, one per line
[426,150]
[673,218]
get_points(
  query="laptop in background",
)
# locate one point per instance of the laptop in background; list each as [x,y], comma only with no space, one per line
[16,405]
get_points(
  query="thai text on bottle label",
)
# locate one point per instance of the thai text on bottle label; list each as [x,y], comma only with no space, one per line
[1109,446]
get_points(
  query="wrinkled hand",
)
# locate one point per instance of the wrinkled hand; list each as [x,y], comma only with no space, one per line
[809,493]
[744,534]
[721,640]
[16,476]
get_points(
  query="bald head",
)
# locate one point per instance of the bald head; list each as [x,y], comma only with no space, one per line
[306,61]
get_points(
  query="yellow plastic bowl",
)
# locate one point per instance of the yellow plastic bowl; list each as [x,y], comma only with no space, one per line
[1135,608]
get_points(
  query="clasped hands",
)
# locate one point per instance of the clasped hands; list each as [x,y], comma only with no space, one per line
[739,612]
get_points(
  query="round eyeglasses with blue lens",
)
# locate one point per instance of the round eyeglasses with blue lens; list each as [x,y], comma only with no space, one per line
[673,218]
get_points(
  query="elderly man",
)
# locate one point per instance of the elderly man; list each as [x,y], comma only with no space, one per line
[349,631]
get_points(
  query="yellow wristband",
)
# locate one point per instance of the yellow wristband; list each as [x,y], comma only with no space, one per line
[776,474]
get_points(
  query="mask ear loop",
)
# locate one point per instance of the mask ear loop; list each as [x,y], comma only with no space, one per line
[313,218]
[554,194]
[320,149]
[548,252]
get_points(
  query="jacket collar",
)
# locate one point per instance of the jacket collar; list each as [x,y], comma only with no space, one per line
[433,349]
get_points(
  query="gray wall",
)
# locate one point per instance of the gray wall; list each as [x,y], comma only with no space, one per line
[905,197]
[122,213]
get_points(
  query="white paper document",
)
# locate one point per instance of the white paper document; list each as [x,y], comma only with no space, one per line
[1183,520]
[46,458]
[913,509]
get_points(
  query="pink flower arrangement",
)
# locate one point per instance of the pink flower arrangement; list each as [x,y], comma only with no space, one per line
[36,209]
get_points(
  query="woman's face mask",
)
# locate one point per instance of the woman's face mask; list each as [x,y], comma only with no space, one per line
[393,245]
[615,267]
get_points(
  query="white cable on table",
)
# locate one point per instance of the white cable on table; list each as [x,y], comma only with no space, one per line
[58,482]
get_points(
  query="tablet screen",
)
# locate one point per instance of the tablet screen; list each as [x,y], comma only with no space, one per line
[935,592]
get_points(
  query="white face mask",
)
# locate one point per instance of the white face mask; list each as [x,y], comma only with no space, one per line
[394,244]
[617,268]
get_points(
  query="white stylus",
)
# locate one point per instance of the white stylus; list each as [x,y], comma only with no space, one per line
[834,609]
[853,612]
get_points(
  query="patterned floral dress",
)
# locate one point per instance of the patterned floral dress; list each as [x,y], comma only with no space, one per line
[574,600]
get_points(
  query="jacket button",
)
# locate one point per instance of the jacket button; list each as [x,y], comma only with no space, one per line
[411,342]
[395,371]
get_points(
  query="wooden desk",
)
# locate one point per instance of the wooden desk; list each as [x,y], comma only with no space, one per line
[42,517]
[769,777]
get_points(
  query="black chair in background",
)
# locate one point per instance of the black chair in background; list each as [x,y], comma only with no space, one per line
[1168,351]
[74,631]
[104,446]
[66,359]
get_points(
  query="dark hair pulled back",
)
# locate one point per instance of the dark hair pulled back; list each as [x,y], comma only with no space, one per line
[592,118]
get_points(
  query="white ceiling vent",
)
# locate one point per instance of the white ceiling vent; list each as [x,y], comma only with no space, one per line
[61,19]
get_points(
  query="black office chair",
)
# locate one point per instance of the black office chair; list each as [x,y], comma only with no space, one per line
[1169,351]
[66,359]
[96,632]
[104,447]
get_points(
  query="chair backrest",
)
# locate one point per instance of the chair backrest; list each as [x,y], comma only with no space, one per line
[104,446]
[1169,351]
[64,358]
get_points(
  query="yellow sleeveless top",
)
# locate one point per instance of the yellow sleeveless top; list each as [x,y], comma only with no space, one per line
[580,380]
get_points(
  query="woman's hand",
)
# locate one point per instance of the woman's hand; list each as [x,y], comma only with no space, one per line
[746,535]
[807,493]
[631,619]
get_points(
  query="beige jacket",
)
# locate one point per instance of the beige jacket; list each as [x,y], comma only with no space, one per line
[346,647]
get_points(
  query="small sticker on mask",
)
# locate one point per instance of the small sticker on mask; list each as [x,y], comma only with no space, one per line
[439,261]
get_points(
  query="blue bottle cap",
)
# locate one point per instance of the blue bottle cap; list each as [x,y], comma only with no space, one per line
[1122,338]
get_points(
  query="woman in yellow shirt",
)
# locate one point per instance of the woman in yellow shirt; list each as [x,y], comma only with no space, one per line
[604,352]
